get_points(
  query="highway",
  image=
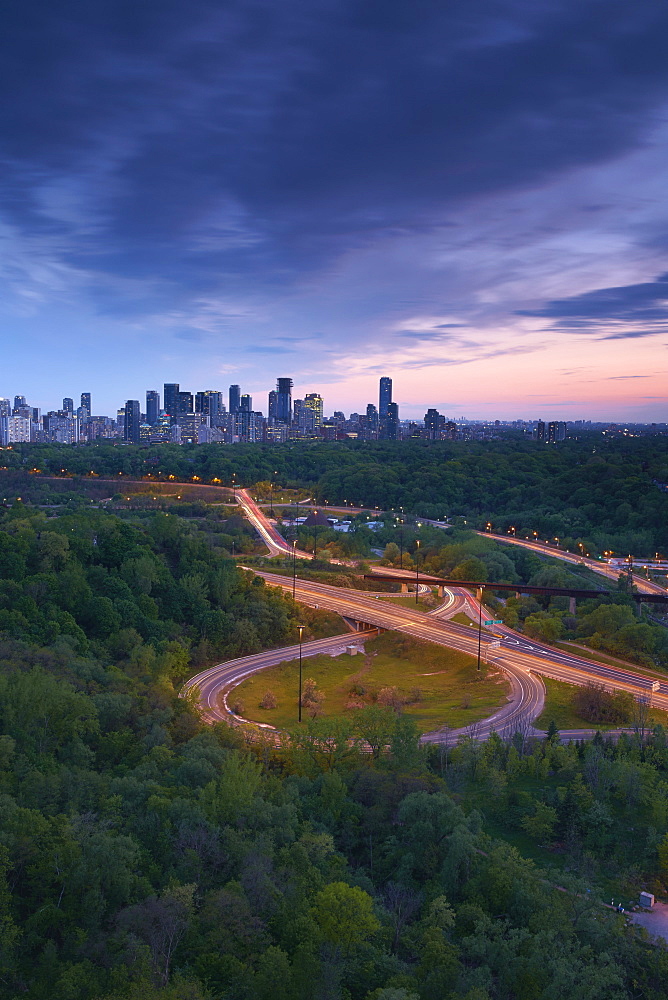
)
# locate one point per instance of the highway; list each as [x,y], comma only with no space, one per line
[544,549]
[519,657]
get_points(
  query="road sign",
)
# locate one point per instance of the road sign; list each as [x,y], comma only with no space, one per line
[493,621]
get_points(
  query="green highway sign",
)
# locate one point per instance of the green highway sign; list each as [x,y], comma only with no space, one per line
[493,621]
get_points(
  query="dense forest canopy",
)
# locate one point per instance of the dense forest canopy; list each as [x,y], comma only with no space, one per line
[147,856]
[604,490]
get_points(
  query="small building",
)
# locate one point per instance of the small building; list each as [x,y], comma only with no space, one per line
[647,900]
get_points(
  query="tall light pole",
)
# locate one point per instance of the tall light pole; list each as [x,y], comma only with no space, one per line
[480,589]
[271,493]
[401,544]
[417,569]
[301,632]
[294,568]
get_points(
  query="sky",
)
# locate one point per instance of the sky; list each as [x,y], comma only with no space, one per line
[468,196]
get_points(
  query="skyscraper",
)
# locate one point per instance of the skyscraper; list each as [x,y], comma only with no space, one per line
[313,401]
[68,405]
[284,400]
[170,392]
[235,398]
[131,428]
[385,396]
[86,403]
[246,403]
[152,406]
[392,422]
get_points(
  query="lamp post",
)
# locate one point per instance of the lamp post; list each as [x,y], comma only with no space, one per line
[271,493]
[234,487]
[401,544]
[417,569]
[294,568]
[480,589]
[315,541]
[301,632]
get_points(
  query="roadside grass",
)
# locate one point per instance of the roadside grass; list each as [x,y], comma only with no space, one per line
[559,708]
[444,684]
[587,653]
[425,603]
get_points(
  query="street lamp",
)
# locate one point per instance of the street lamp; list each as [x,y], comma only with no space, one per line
[271,493]
[294,568]
[480,589]
[301,632]
[401,544]
[417,569]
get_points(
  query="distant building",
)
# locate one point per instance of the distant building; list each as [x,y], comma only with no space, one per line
[68,405]
[392,422]
[539,431]
[152,407]
[86,403]
[18,429]
[556,431]
[132,419]
[170,392]
[313,402]
[284,400]
[385,397]
[235,398]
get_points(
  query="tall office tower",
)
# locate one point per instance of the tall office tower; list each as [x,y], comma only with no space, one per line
[539,431]
[152,406]
[392,422]
[246,403]
[85,403]
[313,401]
[131,428]
[284,400]
[432,421]
[272,406]
[235,398]
[68,405]
[372,418]
[19,401]
[170,391]
[184,403]
[385,396]
[210,402]
[5,413]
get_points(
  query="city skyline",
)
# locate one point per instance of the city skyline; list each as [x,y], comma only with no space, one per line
[470,198]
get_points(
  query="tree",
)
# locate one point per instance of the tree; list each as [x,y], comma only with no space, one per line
[161,921]
[345,917]
[541,825]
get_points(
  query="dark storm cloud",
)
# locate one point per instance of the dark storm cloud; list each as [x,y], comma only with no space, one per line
[218,143]
[645,303]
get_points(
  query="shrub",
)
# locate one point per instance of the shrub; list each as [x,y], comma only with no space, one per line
[269,700]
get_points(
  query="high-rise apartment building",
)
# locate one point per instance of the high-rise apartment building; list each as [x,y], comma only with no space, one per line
[384,396]
[19,401]
[86,403]
[132,416]
[235,398]
[313,401]
[392,422]
[152,406]
[246,403]
[169,394]
[284,400]
[68,405]
[272,404]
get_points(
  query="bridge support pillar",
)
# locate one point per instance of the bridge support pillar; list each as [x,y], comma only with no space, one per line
[404,588]
[441,591]
[571,605]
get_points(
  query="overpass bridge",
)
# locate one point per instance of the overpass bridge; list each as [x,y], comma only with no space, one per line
[573,593]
